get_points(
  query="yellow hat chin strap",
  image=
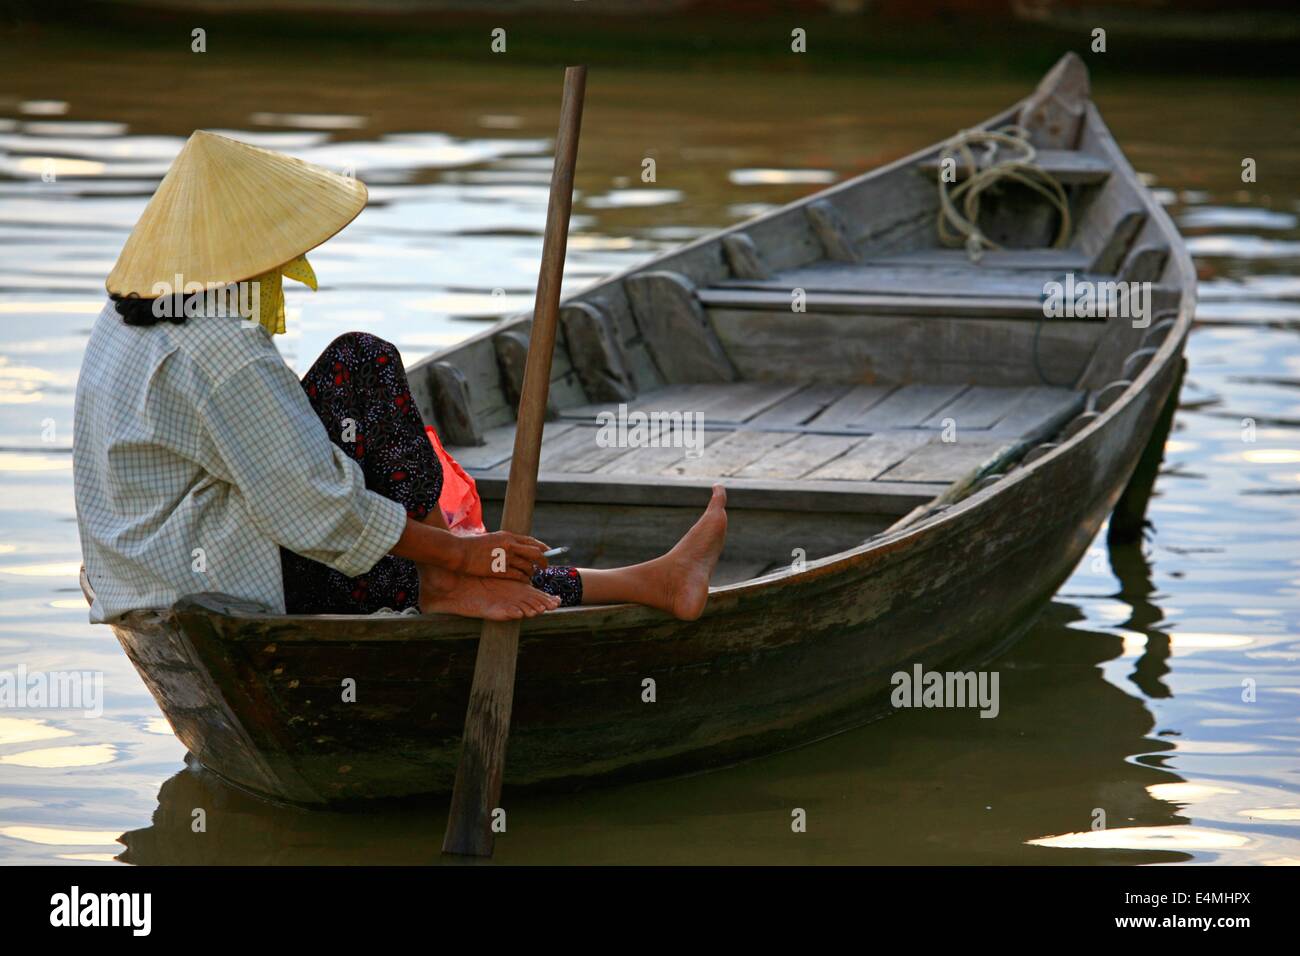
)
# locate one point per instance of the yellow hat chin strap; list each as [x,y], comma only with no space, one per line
[270,293]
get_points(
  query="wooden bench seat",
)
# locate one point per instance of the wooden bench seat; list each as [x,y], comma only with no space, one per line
[776,297]
[865,498]
[957,293]
[1039,260]
[1069,167]
[912,281]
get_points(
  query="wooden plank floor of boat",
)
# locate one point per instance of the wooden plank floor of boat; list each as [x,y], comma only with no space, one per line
[860,448]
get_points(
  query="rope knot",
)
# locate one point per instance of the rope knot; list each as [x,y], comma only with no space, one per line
[958,224]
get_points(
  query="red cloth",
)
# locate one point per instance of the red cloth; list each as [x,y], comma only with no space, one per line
[459,500]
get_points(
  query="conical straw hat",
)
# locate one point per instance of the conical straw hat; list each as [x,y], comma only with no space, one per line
[226,212]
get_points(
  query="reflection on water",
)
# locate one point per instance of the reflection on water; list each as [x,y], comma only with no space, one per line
[87,756]
[48,836]
[19,730]
[1158,696]
[1146,838]
[1130,566]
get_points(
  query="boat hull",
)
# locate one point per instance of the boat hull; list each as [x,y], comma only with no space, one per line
[329,710]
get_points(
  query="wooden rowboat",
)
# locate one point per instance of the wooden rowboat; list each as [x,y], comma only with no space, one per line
[911,374]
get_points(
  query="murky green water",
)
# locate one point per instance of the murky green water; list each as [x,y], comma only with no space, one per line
[1126,698]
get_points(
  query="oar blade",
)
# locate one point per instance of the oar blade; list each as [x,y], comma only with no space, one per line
[474,809]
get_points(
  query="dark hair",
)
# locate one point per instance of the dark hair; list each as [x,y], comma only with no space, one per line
[137,311]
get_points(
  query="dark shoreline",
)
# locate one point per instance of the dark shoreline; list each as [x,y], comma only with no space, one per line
[702,36]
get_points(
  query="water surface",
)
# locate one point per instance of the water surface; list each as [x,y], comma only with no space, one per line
[1126,697]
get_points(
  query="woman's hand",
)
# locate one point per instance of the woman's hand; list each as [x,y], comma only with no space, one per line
[500,554]
[496,555]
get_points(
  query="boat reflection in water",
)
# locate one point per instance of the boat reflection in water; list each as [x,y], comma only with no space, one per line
[977,791]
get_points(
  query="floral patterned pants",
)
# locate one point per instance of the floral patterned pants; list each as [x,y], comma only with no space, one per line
[358,388]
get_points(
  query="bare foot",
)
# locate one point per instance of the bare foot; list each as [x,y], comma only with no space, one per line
[445,592]
[683,573]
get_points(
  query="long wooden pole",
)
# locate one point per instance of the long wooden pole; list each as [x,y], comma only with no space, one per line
[477,792]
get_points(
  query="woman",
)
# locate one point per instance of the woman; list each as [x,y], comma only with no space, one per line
[201,463]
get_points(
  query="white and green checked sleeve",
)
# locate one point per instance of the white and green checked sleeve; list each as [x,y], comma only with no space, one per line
[301,490]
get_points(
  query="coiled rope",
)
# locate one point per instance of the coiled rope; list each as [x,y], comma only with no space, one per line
[959,203]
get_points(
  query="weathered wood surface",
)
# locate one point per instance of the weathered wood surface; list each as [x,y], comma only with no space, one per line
[482,396]
[1077,424]
[745,400]
[942,461]
[1159,331]
[850,405]
[1108,396]
[643,463]
[669,398]
[674,324]
[870,279]
[578,450]
[1038,451]
[831,231]
[1135,363]
[795,407]
[853,303]
[512,354]
[938,292]
[838,348]
[806,453]
[597,355]
[797,498]
[906,407]
[857,435]
[1125,336]
[451,404]
[731,403]
[729,454]
[1108,258]
[872,457]
[1145,265]
[1069,167]
[1055,113]
[801,406]
[497,445]
[1052,260]
[977,407]
[1037,409]
[743,256]
[1113,203]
